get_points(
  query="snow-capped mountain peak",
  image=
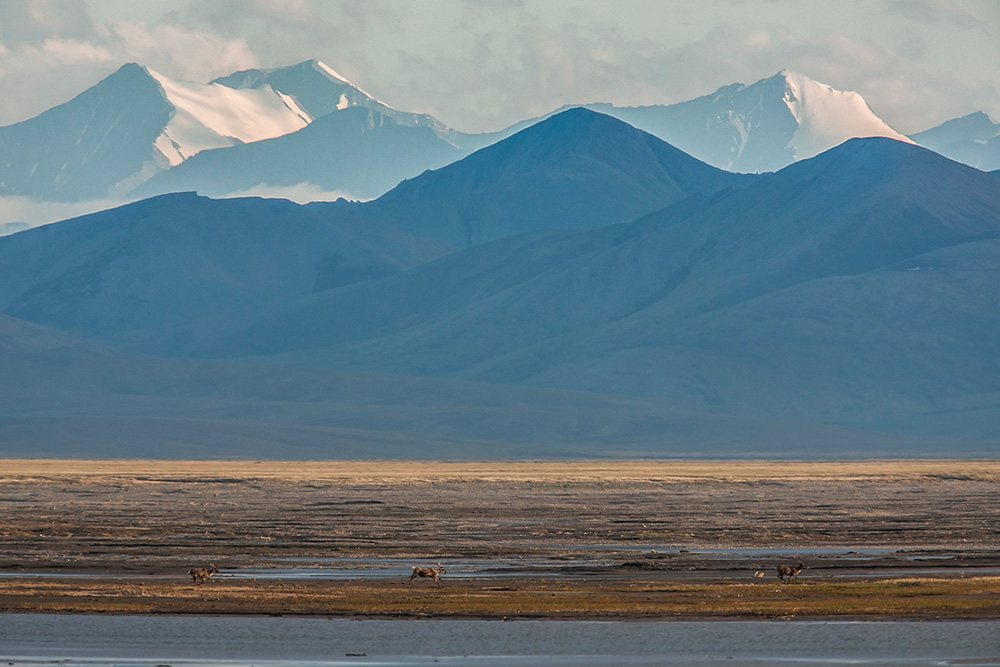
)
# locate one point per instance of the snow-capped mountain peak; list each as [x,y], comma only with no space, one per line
[336,76]
[316,87]
[763,126]
[827,117]
[332,72]
[215,116]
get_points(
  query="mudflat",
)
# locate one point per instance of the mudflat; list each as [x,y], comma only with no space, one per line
[591,539]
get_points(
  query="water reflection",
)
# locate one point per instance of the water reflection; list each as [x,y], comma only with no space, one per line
[38,640]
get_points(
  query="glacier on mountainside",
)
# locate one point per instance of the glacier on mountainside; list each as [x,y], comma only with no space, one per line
[216,116]
[828,117]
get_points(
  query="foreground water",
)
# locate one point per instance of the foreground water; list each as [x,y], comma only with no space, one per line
[39,640]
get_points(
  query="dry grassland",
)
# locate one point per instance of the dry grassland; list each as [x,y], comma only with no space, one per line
[909,598]
[354,472]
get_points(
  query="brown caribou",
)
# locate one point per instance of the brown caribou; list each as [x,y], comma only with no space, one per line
[200,575]
[789,571]
[428,573]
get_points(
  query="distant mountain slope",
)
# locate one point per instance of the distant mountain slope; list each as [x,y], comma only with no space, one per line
[70,153]
[65,397]
[161,274]
[761,127]
[359,152]
[847,294]
[124,129]
[973,140]
[575,170]
[320,90]
[713,302]
[908,349]
[171,274]
[866,204]
[851,289]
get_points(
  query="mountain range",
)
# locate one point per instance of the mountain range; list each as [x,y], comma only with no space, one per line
[138,133]
[761,127]
[135,122]
[806,283]
[580,288]
[972,139]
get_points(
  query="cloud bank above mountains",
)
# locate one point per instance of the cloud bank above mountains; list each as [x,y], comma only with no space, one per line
[481,66]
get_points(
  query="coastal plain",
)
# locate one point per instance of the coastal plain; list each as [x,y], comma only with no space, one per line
[535,539]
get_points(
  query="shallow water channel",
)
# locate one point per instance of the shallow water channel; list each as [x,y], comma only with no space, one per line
[41,640]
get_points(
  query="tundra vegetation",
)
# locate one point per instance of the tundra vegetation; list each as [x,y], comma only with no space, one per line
[585,539]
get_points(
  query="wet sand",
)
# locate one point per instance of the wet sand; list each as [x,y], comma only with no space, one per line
[649,539]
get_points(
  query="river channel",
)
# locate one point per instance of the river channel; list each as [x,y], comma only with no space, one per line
[68,640]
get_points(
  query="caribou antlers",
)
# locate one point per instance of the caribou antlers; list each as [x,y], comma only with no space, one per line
[428,573]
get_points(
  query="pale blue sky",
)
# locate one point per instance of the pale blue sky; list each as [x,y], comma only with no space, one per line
[482,65]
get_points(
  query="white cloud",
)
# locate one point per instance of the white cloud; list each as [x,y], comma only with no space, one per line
[56,52]
[482,65]
[934,12]
[301,193]
[183,53]
[501,78]
[49,64]
[34,21]
[19,213]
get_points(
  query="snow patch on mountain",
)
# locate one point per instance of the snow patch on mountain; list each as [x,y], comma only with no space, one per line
[316,87]
[333,73]
[323,67]
[290,102]
[216,116]
[827,117]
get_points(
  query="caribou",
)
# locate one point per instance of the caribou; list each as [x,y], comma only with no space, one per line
[427,573]
[200,575]
[789,571]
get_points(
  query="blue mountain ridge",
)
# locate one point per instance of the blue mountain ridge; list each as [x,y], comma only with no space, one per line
[756,299]
[574,170]
[848,294]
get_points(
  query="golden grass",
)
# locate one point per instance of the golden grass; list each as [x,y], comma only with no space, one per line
[950,598]
[387,472]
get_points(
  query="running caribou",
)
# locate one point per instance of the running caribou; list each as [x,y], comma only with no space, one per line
[428,573]
[789,571]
